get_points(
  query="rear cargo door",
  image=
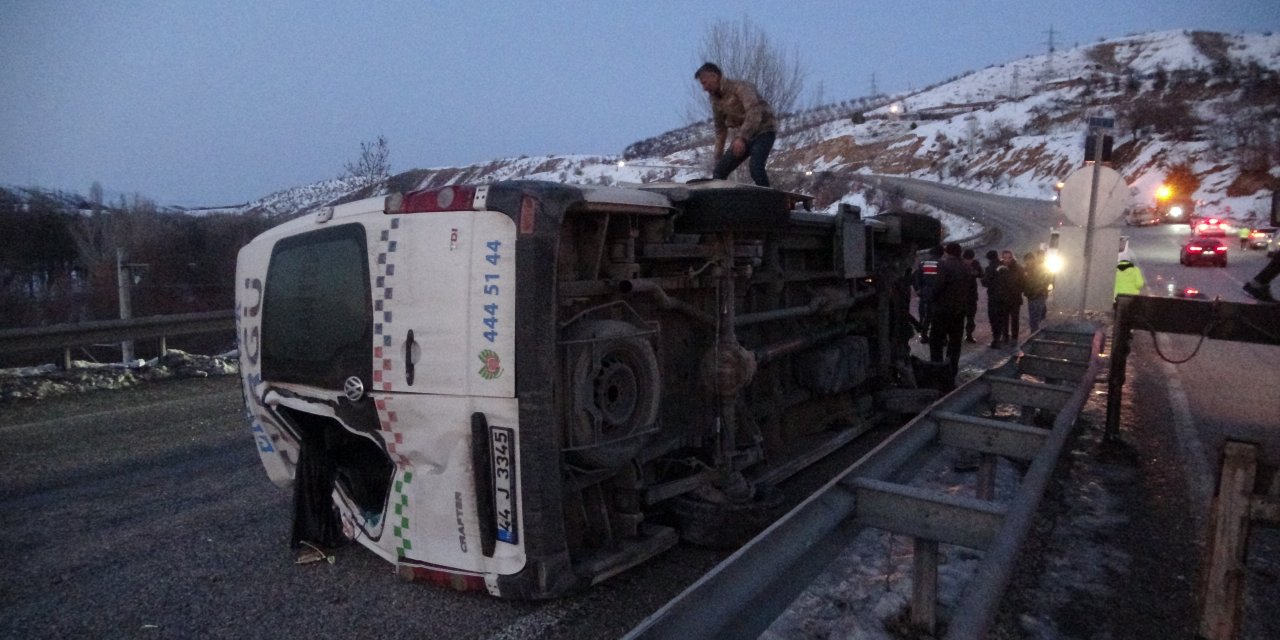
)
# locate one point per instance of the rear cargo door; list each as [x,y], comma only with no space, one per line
[444,304]
[443,295]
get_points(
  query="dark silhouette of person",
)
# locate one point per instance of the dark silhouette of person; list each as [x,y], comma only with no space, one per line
[952,294]
[975,276]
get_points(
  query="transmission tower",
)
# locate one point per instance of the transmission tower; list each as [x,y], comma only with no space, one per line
[1048,65]
[875,91]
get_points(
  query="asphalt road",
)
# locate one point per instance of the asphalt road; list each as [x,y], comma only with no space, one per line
[1022,223]
[1225,389]
[145,513]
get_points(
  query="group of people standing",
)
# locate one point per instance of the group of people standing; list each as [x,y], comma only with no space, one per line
[946,283]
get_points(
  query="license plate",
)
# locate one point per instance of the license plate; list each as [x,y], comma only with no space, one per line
[503,440]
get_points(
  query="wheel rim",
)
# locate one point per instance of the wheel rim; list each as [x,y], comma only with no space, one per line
[616,393]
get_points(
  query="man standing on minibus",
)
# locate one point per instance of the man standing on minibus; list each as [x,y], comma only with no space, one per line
[737,104]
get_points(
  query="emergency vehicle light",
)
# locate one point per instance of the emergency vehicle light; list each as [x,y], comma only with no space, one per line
[1053,262]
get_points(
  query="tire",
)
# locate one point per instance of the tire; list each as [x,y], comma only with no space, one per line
[726,526]
[614,391]
[747,208]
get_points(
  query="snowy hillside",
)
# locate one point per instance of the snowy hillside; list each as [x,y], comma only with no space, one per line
[1203,104]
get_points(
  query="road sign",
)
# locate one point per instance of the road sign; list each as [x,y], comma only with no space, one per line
[1102,123]
[1113,197]
[1090,150]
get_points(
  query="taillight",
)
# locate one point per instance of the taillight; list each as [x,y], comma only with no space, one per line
[1195,248]
[1221,249]
[455,198]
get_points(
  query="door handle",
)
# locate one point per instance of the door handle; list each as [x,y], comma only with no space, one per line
[409,353]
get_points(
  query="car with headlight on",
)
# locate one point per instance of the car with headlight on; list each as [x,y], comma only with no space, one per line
[1177,211]
[1260,238]
[1208,228]
[1141,216]
[1210,251]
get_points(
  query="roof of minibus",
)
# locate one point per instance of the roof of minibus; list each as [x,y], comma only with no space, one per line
[624,195]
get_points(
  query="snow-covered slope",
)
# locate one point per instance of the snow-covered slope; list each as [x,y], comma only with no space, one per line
[1206,104]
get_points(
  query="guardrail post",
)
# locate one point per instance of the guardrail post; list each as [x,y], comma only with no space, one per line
[986,478]
[924,585]
[1222,583]
[1120,344]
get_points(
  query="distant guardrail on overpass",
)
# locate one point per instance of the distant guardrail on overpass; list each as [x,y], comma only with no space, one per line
[67,336]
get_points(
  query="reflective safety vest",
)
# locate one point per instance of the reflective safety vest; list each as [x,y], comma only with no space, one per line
[1128,278]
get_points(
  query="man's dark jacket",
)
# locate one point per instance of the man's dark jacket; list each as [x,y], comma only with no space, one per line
[953,292]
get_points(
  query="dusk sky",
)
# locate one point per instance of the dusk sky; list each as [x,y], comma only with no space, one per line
[220,102]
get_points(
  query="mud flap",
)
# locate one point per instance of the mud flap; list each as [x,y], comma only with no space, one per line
[315,518]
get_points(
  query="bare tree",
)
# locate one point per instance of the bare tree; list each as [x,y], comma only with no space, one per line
[745,52]
[372,166]
[95,195]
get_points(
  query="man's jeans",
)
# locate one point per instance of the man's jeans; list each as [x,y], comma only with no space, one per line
[757,149]
[1036,311]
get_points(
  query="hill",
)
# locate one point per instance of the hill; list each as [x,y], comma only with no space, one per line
[1199,104]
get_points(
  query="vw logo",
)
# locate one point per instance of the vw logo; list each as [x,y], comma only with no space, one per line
[353,388]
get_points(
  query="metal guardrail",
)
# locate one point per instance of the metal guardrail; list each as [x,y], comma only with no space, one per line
[1235,508]
[745,593]
[66,336]
[1209,319]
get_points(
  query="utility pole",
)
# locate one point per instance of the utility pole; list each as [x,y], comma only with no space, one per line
[874,90]
[1098,127]
[124,283]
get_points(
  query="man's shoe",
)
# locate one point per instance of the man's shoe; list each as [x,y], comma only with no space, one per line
[1259,293]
